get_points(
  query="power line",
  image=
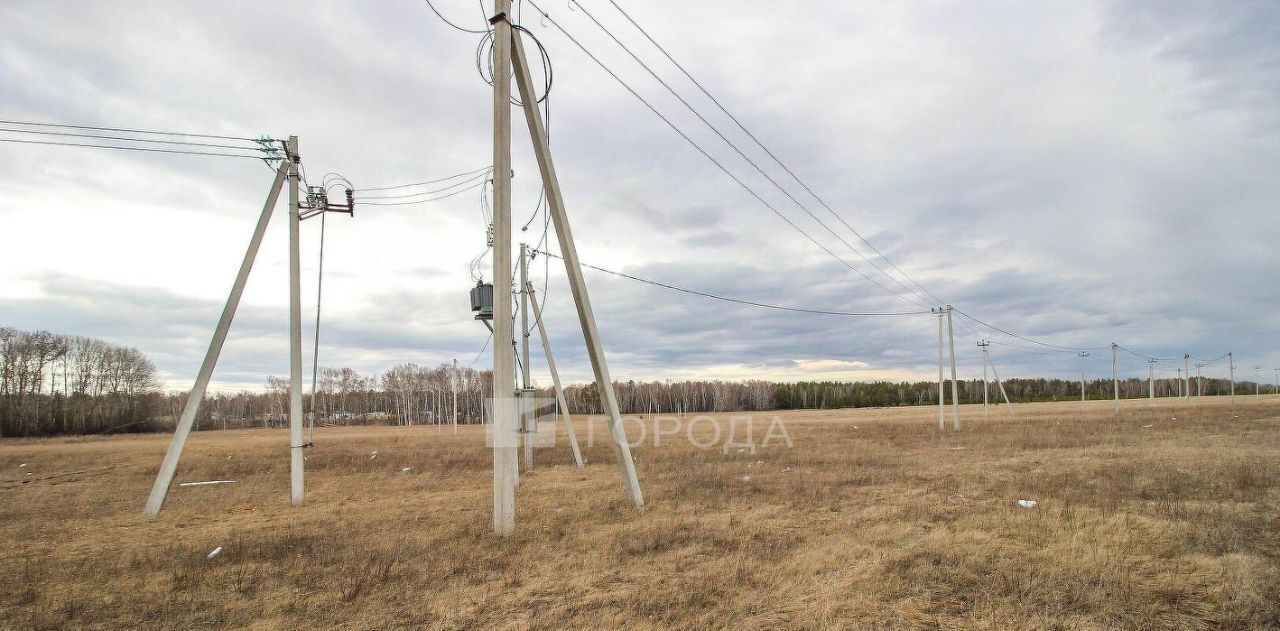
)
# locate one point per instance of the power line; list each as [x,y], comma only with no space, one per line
[708,156]
[151,150]
[446,21]
[423,201]
[443,179]
[741,153]
[123,138]
[740,301]
[442,189]
[130,130]
[1027,339]
[771,154]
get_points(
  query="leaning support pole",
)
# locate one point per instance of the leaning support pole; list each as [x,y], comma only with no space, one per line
[170,465]
[555,374]
[505,455]
[1005,395]
[573,268]
[296,462]
[942,405]
[955,391]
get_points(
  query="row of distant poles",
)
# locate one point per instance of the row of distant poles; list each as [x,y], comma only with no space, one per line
[946,332]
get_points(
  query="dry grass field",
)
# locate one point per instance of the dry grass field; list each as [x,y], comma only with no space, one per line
[1161,518]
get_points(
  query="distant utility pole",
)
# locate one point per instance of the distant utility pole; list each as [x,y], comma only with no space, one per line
[1199,380]
[1257,380]
[1186,376]
[1231,373]
[1151,381]
[1115,376]
[955,391]
[1179,383]
[1275,386]
[1082,356]
[455,384]
[942,406]
[983,344]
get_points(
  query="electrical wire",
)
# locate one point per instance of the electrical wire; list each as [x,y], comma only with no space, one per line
[1027,339]
[770,153]
[443,189]
[709,157]
[123,138]
[484,59]
[131,131]
[740,301]
[747,158]
[411,184]
[423,201]
[446,20]
[146,149]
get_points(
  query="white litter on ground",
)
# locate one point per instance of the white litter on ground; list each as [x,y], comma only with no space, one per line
[406,470]
[746,478]
[1148,425]
[216,552]
[373,454]
[22,466]
[956,448]
[1027,503]
[207,483]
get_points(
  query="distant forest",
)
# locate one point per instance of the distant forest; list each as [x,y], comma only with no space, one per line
[57,384]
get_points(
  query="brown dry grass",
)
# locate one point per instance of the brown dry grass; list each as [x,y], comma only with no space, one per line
[889,525]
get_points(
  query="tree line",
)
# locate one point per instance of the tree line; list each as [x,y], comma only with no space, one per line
[69,384]
[58,384]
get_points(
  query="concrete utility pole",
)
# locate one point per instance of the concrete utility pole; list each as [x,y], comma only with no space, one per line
[1257,380]
[527,418]
[942,406]
[454,382]
[1186,376]
[983,344]
[1275,386]
[572,266]
[1082,356]
[555,376]
[955,388]
[1179,383]
[504,378]
[169,467]
[296,462]
[1199,380]
[1115,376]
[1151,380]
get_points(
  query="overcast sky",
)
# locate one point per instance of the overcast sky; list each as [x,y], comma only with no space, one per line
[1078,173]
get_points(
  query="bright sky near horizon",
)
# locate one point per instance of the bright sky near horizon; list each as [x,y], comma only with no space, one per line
[1075,172]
